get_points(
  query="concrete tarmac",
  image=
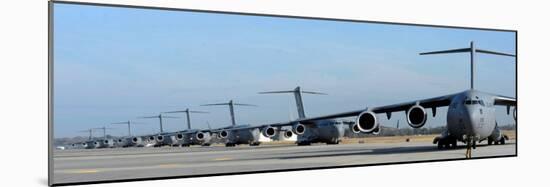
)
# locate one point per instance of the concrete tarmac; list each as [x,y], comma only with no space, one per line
[129,163]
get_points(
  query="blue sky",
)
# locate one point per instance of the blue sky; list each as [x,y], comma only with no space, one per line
[115,64]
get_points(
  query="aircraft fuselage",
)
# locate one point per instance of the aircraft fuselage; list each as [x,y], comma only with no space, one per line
[472,114]
[244,136]
[323,131]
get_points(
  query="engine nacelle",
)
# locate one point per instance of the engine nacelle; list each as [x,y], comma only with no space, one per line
[366,121]
[120,142]
[287,134]
[202,136]
[97,144]
[416,116]
[299,129]
[269,131]
[376,130]
[136,140]
[223,134]
[160,138]
[179,136]
[496,135]
[355,128]
[108,143]
[515,114]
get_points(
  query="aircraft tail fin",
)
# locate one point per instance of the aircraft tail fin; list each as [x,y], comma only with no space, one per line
[472,50]
[298,97]
[231,105]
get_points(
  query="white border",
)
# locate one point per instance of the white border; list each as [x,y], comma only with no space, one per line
[23,101]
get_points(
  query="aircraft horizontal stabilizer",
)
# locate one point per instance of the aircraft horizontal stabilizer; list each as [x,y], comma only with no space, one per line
[461,50]
[182,111]
[493,53]
[292,91]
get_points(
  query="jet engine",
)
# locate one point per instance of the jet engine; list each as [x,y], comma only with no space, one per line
[515,113]
[160,138]
[287,133]
[223,134]
[416,116]
[355,128]
[202,136]
[136,140]
[108,143]
[269,131]
[366,121]
[376,130]
[299,129]
[496,135]
[97,144]
[120,142]
[179,136]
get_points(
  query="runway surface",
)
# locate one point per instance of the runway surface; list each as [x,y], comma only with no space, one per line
[127,163]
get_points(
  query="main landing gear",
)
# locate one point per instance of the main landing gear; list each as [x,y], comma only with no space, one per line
[502,141]
[333,142]
[229,145]
[445,142]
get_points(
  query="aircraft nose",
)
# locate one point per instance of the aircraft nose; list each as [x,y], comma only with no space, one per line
[471,119]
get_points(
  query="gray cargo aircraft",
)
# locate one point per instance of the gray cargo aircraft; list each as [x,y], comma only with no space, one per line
[239,134]
[162,138]
[89,144]
[329,131]
[105,142]
[129,140]
[245,134]
[191,136]
[470,115]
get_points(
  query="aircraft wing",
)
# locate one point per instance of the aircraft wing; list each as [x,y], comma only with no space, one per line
[433,103]
[189,131]
[503,100]
[247,127]
[166,134]
[426,103]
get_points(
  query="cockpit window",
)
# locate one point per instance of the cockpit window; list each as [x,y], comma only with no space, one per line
[474,102]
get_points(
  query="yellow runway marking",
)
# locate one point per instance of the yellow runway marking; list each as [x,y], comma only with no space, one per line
[222,159]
